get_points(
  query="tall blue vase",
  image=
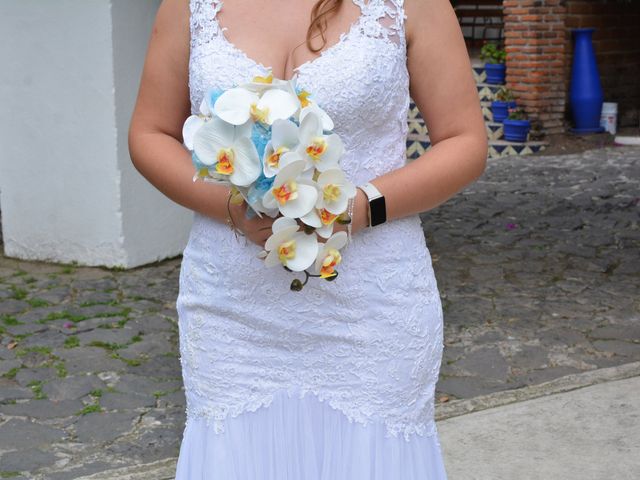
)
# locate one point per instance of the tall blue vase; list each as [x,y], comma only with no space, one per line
[585,95]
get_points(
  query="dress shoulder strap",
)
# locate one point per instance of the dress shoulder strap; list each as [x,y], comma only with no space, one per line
[203,22]
[384,19]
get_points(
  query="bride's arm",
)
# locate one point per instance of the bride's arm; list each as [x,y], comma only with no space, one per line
[155,132]
[443,88]
[162,106]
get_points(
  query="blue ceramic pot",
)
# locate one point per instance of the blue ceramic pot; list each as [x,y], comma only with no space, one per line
[495,73]
[516,130]
[500,110]
[585,94]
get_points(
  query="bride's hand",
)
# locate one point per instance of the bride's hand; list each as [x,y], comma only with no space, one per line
[255,229]
[259,229]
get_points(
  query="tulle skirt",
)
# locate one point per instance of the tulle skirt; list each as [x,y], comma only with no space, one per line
[304,439]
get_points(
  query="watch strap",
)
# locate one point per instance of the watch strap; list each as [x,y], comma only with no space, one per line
[377,205]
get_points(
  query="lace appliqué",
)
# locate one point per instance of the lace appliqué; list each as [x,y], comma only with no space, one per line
[370,343]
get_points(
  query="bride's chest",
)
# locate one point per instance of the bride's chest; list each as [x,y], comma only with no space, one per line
[360,79]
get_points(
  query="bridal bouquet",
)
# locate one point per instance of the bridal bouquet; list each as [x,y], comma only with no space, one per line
[274,145]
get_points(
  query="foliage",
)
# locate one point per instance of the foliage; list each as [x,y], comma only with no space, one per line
[504,94]
[492,53]
[517,114]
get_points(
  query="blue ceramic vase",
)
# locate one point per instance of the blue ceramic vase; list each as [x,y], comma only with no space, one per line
[585,94]
[500,110]
[516,130]
[496,73]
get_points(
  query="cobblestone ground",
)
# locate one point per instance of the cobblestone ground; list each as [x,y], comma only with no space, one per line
[537,262]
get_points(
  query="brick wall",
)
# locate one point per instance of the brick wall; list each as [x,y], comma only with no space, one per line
[539,49]
[616,41]
[535,41]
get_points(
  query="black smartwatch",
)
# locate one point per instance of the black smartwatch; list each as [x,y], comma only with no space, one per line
[377,212]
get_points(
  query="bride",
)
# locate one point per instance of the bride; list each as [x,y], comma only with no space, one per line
[336,381]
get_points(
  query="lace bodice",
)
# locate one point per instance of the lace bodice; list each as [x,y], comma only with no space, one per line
[369,342]
[368,84]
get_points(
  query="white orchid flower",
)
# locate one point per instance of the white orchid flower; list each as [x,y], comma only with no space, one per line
[321,151]
[284,138]
[322,220]
[294,196]
[260,84]
[329,255]
[308,104]
[335,191]
[238,105]
[257,203]
[289,246]
[194,122]
[311,106]
[229,150]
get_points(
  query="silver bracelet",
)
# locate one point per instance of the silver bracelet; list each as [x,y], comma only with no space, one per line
[350,212]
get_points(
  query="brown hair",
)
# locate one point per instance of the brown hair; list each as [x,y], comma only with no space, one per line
[319,14]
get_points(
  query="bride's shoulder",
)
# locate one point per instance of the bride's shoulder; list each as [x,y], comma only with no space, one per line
[172,24]
[422,15]
[175,13]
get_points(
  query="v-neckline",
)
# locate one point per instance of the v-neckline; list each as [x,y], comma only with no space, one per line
[296,70]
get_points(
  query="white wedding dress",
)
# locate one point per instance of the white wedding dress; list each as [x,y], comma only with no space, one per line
[337,381]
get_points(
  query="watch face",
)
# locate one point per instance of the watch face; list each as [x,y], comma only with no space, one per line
[378,211]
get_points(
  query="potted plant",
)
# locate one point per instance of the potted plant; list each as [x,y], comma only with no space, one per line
[503,101]
[516,125]
[494,58]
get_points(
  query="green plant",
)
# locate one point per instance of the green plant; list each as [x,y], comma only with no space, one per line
[504,94]
[10,320]
[89,409]
[517,114]
[18,293]
[36,387]
[37,302]
[492,53]
[11,374]
[71,342]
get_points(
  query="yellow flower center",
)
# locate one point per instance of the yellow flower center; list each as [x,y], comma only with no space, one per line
[327,217]
[316,148]
[285,192]
[287,251]
[259,114]
[304,101]
[226,156]
[274,159]
[331,192]
[267,79]
[332,258]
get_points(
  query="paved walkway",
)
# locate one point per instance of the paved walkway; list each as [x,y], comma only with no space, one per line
[589,433]
[537,263]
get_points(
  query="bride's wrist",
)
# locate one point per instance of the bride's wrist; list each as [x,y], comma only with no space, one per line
[360,212]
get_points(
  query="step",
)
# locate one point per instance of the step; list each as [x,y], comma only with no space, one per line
[494,129]
[485,106]
[418,144]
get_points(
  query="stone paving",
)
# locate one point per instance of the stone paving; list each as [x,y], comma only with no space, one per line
[538,264]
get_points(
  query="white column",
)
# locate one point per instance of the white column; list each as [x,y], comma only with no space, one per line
[69,75]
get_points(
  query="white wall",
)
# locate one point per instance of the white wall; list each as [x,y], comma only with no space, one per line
[69,74]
